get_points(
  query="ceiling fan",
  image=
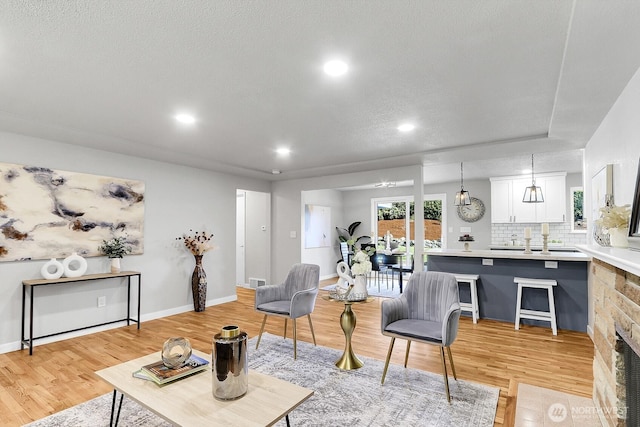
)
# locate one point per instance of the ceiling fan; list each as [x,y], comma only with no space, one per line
[385,184]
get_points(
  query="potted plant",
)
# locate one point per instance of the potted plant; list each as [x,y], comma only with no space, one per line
[115,249]
[347,236]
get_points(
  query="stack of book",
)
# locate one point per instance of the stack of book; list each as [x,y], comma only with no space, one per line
[160,374]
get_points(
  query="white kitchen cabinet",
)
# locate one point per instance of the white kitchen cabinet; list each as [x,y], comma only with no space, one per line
[501,201]
[522,212]
[507,205]
[554,209]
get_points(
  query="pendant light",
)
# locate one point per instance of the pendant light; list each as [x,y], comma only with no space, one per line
[532,194]
[462,197]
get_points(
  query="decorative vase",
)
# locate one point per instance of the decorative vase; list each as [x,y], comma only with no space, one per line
[74,265]
[618,237]
[115,265]
[199,285]
[230,368]
[360,287]
[48,274]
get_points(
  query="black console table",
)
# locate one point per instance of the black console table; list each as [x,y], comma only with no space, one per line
[32,284]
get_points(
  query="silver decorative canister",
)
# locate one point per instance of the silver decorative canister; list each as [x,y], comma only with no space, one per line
[230,370]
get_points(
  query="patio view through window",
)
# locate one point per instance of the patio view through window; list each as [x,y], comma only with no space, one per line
[395,225]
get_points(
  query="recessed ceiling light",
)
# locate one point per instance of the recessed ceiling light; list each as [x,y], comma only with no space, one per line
[335,68]
[275,171]
[526,171]
[187,119]
[406,127]
[283,151]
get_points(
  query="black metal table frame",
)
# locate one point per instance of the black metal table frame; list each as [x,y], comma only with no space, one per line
[116,413]
[29,342]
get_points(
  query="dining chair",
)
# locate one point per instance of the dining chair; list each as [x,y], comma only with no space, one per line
[427,312]
[387,263]
[294,298]
[401,269]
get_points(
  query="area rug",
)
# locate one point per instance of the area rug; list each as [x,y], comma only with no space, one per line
[409,397]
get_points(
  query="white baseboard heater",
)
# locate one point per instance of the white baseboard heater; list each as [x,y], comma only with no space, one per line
[254,282]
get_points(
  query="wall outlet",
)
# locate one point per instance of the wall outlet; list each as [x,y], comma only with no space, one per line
[102,302]
[487,261]
[551,264]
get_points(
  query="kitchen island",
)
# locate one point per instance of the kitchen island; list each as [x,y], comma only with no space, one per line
[497,292]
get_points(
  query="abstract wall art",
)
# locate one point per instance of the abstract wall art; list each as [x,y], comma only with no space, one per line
[46,213]
[317,226]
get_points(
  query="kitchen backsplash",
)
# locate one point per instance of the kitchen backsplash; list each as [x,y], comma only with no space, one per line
[501,234]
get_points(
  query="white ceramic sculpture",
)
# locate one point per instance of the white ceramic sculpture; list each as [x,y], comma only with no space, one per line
[46,269]
[74,265]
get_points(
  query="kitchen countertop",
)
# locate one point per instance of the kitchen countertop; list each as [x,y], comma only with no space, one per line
[552,248]
[510,254]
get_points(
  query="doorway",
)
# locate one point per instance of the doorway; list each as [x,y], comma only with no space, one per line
[253,238]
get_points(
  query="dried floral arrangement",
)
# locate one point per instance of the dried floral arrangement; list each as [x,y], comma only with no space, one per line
[614,216]
[197,243]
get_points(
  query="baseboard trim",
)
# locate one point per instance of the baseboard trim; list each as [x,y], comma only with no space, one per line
[15,346]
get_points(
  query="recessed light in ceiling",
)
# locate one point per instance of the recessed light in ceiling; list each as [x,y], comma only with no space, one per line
[283,151]
[406,127]
[186,119]
[526,171]
[336,68]
[275,171]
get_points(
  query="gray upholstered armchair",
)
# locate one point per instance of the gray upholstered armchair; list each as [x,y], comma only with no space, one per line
[428,311]
[294,298]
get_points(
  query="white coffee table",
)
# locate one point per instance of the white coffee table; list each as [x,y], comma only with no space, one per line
[190,402]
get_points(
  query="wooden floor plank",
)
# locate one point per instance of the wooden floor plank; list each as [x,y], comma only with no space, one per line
[60,374]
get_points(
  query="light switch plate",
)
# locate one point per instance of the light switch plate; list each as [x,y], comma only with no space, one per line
[487,261]
[551,264]
[293,234]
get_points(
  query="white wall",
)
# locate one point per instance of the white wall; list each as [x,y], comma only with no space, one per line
[286,198]
[327,257]
[617,142]
[177,199]
[481,229]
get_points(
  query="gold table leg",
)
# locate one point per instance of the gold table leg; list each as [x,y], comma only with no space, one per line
[348,360]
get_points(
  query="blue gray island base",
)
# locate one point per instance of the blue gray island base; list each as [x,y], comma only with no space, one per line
[497,292]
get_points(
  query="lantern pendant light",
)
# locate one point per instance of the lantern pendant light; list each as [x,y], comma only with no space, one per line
[462,196]
[533,194]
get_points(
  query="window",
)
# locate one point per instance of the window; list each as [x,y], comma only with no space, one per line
[395,229]
[578,221]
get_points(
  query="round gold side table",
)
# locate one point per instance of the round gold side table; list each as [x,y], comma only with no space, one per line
[349,360]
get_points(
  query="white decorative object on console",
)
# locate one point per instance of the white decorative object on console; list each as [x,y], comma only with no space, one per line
[74,265]
[48,274]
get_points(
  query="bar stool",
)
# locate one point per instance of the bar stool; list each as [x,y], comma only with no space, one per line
[547,316]
[471,307]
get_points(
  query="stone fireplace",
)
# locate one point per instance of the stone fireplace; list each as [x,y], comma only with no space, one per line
[616,299]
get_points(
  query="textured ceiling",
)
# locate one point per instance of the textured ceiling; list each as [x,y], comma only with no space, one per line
[482,80]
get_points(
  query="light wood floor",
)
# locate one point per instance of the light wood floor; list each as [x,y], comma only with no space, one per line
[60,375]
